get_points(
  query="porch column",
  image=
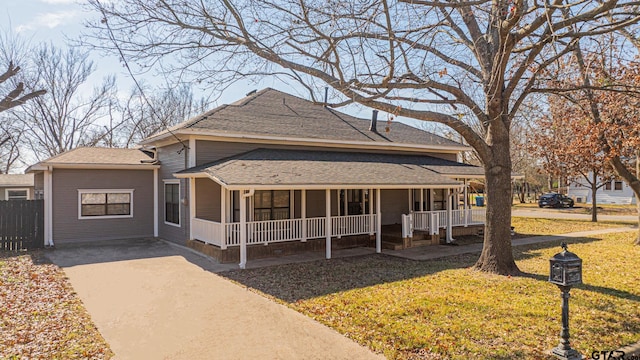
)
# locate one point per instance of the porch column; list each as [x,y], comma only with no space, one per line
[431,199]
[223,218]
[466,194]
[345,206]
[192,205]
[292,204]
[378,223]
[303,213]
[421,200]
[371,222]
[243,230]
[410,202]
[327,225]
[467,211]
[449,217]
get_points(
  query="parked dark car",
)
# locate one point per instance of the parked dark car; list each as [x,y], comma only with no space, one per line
[555,200]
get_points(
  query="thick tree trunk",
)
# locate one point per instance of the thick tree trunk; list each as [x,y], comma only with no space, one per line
[497,255]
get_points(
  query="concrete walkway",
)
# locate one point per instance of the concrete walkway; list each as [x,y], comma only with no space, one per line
[152,300]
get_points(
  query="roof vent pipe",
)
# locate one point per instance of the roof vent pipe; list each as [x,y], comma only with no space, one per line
[326,96]
[374,121]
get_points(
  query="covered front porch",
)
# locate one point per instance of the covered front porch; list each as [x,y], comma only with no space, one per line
[324,205]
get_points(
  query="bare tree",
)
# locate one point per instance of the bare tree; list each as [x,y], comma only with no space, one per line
[422,59]
[151,113]
[10,146]
[12,92]
[64,117]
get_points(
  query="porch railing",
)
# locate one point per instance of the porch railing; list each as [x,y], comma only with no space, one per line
[425,220]
[352,224]
[271,231]
[207,231]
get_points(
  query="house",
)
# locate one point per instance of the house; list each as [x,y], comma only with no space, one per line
[615,191]
[269,174]
[16,187]
[97,194]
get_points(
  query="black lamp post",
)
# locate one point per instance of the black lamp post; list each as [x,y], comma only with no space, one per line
[565,270]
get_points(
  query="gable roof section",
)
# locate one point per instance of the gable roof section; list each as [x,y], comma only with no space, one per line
[96,157]
[271,168]
[16,180]
[270,112]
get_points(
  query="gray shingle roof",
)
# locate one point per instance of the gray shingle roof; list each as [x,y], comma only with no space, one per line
[288,167]
[270,112]
[99,156]
[16,180]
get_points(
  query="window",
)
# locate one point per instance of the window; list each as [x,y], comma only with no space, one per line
[105,204]
[617,185]
[271,205]
[607,185]
[17,194]
[172,203]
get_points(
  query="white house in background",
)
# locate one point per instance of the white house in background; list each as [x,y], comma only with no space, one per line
[613,192]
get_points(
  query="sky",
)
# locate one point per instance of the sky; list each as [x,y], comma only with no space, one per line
[56,21]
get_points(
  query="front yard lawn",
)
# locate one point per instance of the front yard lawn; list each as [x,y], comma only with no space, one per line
[526,227]
[444,310]
[40,315]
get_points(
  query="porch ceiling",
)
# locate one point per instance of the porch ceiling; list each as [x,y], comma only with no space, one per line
[314,169]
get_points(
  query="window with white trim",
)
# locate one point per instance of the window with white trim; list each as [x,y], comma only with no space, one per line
[114,203]
[17,194]
[271,205]
[172,202]
[617,185]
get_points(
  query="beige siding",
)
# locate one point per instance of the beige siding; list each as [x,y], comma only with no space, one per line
[68,228]
[209,151]
[393,204]
[207,200]
[171,162]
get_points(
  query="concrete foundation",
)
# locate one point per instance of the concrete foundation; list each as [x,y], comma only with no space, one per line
[260,251]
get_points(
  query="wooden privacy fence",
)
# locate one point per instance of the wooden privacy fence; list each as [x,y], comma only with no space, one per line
[21,224]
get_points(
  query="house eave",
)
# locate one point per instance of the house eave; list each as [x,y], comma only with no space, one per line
[49,166]
[170,138]
[303,186]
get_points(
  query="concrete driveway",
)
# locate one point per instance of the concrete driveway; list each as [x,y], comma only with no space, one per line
[153,300]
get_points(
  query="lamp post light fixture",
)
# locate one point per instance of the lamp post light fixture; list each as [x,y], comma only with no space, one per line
[565,270]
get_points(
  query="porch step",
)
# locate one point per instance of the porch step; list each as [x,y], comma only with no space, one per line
[391,245]
[423,242]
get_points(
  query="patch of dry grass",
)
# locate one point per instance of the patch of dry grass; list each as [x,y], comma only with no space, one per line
[40,315]
[442,309]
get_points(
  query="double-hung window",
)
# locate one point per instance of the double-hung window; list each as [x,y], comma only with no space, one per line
[172,202]
[96,204]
